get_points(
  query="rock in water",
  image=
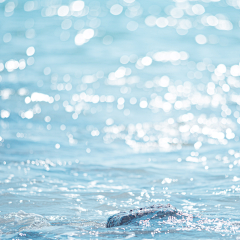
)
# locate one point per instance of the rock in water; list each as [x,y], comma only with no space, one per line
[124,218]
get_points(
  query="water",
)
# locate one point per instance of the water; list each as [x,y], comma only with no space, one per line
[108,106]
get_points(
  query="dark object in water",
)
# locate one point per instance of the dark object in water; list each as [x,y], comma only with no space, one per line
[123,218]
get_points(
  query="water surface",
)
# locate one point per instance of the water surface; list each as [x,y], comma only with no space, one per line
[108,106]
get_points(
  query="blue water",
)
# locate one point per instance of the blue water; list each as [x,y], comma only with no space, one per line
[107,106]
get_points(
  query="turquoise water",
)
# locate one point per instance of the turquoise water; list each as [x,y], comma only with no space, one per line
[107,106]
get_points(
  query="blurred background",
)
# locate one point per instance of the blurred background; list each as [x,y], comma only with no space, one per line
[107,106]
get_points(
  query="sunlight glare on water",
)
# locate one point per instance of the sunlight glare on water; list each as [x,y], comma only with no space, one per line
[107,106]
